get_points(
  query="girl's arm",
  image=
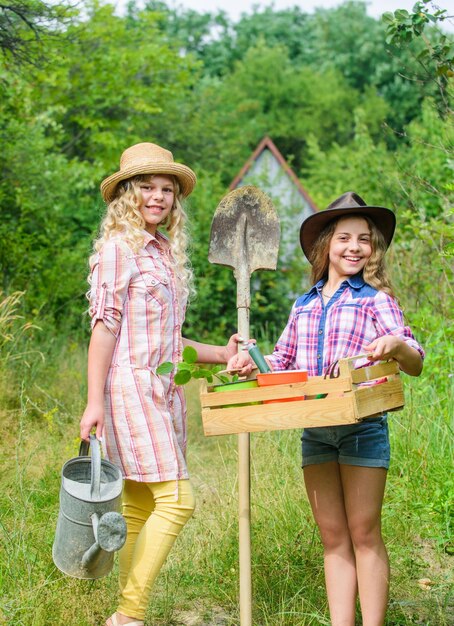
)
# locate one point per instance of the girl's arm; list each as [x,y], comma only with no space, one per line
[392,347]
[395,340]
[208,353]
[100,351]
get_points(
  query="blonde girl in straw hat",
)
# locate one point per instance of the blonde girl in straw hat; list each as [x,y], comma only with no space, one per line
[140,281]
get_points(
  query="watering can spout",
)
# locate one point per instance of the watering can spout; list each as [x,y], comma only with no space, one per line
[110,535]
[89,527]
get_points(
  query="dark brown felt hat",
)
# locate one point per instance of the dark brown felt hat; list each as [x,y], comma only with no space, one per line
[348,203]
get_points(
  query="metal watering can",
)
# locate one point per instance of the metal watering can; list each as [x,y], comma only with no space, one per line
[89,527]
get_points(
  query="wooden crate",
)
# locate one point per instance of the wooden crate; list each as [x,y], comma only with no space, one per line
[348,401]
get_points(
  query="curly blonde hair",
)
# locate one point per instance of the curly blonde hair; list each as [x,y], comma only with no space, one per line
[123,217]
[374,272]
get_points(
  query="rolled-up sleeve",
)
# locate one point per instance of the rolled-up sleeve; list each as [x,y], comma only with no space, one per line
[389,320]
[109,280]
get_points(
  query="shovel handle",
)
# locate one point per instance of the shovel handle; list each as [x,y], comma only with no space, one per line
[95,490]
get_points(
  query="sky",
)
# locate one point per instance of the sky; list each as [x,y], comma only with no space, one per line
[234,8]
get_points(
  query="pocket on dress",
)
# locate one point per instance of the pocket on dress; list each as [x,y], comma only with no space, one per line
[154,281]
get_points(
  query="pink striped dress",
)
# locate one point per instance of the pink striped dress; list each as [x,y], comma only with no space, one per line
[134,294]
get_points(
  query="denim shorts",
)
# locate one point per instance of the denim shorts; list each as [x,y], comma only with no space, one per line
[365,443]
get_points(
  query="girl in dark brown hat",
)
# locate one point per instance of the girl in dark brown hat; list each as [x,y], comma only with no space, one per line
[140,282]
[349,310]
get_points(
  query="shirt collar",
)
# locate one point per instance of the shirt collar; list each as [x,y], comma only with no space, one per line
[158,239]
[355,282]
[317,287]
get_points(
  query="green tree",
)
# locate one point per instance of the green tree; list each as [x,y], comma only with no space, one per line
[43,249]
[117,79]
[63,129]
[435,54]
[224,118]
[403,27]
[27,25]
[361,165]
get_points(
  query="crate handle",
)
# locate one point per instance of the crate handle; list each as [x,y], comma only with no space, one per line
[357,356]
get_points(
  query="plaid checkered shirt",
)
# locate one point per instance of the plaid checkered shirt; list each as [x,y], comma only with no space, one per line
[318,335]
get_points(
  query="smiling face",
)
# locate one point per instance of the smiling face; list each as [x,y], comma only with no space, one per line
[350,248]
[158,195]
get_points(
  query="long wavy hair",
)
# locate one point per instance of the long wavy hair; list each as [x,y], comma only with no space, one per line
[374,272]
[123,217]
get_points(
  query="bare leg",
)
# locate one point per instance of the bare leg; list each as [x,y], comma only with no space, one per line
[363,495]
[326,496]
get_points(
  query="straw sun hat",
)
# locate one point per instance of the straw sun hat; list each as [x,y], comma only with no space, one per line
[148,158]
[347,204]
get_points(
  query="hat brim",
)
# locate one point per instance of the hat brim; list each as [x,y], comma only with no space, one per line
[383,218]
[184,174]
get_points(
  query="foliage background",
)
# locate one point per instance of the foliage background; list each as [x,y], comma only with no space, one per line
[348,111]
[353,103]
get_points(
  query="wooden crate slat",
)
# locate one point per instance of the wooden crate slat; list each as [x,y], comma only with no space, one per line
[312,387]
[379,398]
[279,416]
[364,374]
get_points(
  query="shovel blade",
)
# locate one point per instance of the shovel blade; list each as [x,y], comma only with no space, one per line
[245,231]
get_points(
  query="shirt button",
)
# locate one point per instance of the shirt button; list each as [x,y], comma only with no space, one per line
[319,356]
[320,332]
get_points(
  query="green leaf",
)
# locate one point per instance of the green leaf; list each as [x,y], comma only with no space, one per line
[182,365]
[224,379]
[387,17]
[165,368]
[203,373]
[190,354]
[424,55]
[182,377]
[401,14]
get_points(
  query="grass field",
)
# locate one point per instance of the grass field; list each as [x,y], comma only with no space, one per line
[42,394]
[199,584]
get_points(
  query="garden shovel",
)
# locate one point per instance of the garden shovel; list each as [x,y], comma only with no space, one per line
[245,236]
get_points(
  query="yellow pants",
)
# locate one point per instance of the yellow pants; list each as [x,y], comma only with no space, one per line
[154,518]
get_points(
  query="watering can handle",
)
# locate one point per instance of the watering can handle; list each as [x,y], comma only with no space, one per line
[95,490]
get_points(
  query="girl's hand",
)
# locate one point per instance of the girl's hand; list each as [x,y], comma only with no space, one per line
[231,349]
[392,347]
[241,363]
[93,417]
[384,348]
